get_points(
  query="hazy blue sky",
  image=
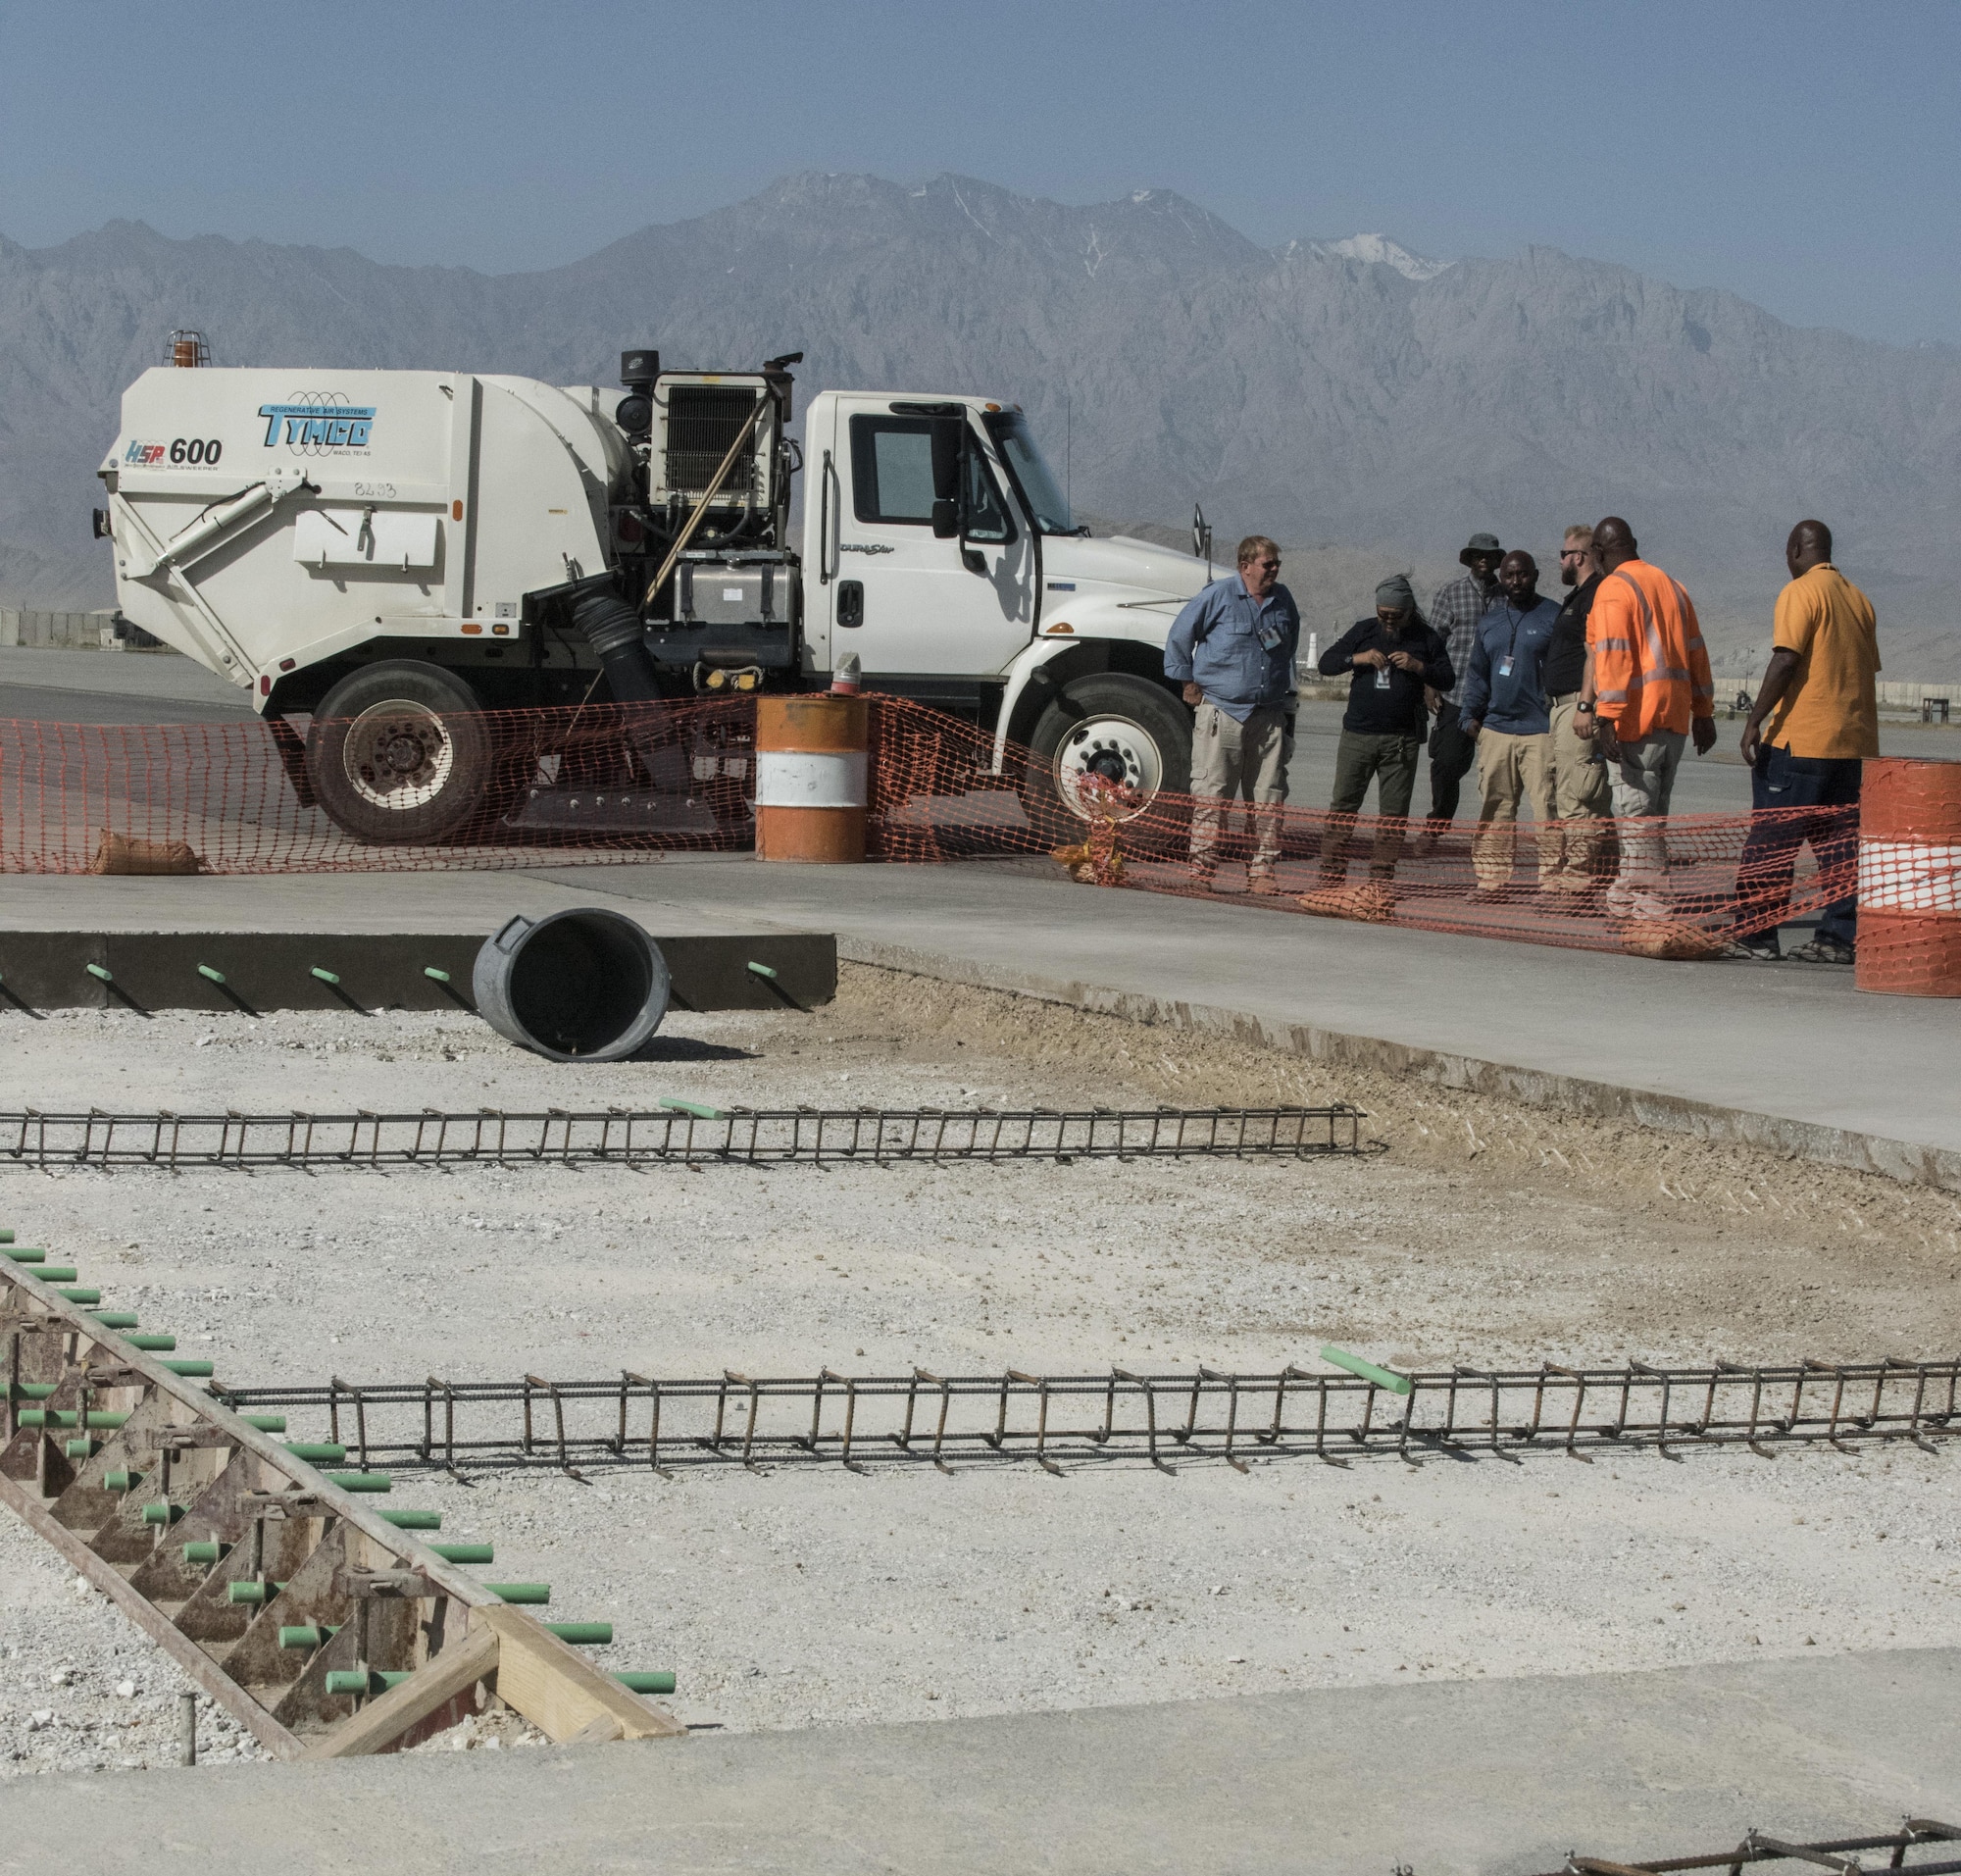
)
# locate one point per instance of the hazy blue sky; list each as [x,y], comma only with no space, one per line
[1806,156]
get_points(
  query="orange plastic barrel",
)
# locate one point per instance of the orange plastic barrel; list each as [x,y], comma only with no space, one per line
[811,778]
[1910,877]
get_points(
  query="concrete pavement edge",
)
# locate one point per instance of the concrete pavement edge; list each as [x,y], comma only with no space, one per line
[1842,1148]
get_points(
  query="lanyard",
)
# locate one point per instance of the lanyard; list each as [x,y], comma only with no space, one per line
[1518,619]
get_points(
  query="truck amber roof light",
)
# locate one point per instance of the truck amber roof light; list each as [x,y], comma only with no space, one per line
[1059,630]
[456,511]
[990,407]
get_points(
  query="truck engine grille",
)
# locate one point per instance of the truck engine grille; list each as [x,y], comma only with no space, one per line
[703,420]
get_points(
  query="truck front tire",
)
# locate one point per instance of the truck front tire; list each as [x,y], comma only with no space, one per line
[400,752]
[1129,730]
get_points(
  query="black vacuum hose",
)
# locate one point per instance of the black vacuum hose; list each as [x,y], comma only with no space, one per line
[612,627]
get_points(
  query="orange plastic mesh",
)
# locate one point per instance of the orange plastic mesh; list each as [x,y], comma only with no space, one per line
[609,784]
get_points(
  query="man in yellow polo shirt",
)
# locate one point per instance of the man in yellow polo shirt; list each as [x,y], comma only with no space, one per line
[1822,702]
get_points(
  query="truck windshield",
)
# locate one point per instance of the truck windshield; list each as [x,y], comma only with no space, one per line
[1046,502]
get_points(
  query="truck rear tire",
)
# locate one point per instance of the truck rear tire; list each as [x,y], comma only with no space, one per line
[1129,730]
[400,752]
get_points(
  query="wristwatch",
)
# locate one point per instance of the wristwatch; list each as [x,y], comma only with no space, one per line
[1583,705]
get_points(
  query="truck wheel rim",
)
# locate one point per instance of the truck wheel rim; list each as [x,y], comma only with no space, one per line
[1112,760]
[398,755]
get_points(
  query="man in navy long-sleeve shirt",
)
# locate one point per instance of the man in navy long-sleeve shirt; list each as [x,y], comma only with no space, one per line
[1506,715]
[1233,648]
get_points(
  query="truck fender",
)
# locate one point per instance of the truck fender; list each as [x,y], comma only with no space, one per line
[1051,662]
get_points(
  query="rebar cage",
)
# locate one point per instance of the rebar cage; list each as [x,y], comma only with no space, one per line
[1206,1415]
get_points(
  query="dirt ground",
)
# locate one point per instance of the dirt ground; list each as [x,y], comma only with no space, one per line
[1479,1232]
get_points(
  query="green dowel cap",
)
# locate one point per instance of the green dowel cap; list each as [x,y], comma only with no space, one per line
[429,970]
[654,1681]
[325,977]
[356,1681]
[6,1233]
[204,1551]
[26,1255]
[265,1422]
[190,1370]
[410,1520]
[592,1635]
[360,1481]
[699,1109]
[113,1318]
[33,1389]
[249,1591]
[152,1345]
[316,1450]
[204,970]
[761,970]
[308,1636]
[97,970]
[121,1481]
[1383,1377]
[465,1553]
[71,1294]
[533,1593]
[58,1274]
[82,1448]
[162,1512]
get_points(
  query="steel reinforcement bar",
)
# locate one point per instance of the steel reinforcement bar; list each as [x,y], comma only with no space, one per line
[684,1132]
[642,1420]
[323,1623]
[1846,1854]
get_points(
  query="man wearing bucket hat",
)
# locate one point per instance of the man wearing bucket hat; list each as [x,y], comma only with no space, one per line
[1454,614]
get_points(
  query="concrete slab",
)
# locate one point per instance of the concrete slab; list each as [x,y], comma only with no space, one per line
[1499,1778]
[371,970]
[432,902]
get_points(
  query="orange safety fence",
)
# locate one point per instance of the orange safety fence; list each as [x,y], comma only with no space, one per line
[609,784]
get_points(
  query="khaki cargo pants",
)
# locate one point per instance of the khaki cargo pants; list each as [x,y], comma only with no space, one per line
[1512,769]
[1581,795]
[1230,760]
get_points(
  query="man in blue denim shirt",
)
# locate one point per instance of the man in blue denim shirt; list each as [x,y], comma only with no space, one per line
[1506,715]
[1233,649]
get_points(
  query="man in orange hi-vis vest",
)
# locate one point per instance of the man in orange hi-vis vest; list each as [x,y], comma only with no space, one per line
[1648,687]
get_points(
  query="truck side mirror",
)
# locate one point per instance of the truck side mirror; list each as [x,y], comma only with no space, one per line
[945,519]
[946,451]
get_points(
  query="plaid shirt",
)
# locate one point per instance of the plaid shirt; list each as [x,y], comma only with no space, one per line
[1453,616]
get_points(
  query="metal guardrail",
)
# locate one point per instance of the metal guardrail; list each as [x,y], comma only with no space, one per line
[642,1420]
[680,1131]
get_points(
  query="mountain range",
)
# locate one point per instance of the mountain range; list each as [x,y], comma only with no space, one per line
[1366,406]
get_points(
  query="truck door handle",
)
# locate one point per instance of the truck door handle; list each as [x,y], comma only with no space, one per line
[824,567]
[850,602]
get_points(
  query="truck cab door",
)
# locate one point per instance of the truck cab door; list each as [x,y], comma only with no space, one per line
[911,602]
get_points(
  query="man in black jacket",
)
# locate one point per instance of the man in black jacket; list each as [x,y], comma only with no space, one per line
[1390,659]
[1581,791]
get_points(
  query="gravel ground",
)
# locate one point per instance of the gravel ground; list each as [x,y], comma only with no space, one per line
[791,1596]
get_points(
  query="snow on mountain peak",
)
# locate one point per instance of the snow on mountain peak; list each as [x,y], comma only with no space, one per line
[1375,249]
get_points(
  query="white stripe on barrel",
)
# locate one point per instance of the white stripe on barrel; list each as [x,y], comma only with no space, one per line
[1909,876]
[807,779]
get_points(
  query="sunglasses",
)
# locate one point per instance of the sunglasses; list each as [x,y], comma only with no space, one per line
[1268,566]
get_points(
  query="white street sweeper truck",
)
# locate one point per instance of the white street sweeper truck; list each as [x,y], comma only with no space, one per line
[386,554]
